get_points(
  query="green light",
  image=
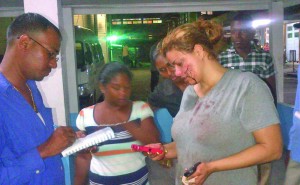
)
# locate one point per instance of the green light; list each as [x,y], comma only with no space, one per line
[112,38]
[116,45]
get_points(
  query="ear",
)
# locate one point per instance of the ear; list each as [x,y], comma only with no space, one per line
[23,42]
[198,50]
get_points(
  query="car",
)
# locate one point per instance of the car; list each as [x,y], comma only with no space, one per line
[89,60]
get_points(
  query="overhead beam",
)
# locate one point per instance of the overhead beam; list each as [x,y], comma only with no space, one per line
[164,7]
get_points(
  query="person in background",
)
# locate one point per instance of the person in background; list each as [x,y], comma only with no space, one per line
[245,55]
[125,56]
[154,72]
[29,146]
[168,93]
[266,47]
[292,176]
[227,119]
[114,162]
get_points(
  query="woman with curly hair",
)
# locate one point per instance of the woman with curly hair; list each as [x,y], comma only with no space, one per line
[227,119]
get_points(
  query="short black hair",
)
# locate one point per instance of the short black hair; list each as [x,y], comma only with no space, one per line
[29,23]
[154,51]
[245,18]
[242,16]
[112,69]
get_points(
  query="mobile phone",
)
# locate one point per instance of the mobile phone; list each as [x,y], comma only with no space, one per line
[140,148]
[191,170]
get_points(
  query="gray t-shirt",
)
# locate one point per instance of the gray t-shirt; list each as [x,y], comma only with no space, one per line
[221,124]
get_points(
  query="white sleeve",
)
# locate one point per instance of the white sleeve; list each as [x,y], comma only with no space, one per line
[141,110]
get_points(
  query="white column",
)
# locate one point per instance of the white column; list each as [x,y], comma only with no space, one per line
[52,86]
[276,44]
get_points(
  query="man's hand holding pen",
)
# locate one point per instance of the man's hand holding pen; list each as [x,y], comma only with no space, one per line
[61,138]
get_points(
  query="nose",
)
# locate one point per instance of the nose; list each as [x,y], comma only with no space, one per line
[124,92]
[178,71]
[53,63]
[170,72]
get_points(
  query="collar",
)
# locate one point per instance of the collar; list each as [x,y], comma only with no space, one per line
[5,84]
[254,48]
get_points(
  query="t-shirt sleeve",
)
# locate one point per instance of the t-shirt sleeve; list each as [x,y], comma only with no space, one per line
[80,120]
[141,110]
[257,109]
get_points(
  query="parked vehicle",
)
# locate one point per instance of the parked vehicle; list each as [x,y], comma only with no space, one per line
[89,59]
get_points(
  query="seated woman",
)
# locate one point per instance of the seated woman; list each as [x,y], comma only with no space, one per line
[113,162]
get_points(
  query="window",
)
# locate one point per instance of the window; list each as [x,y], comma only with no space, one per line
[116,22]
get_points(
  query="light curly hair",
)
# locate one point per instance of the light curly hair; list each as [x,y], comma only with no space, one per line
[185,37]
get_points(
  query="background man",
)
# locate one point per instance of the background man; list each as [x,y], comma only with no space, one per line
[29,147]
[243,54]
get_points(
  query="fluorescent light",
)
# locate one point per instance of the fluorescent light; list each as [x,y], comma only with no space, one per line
[261,22]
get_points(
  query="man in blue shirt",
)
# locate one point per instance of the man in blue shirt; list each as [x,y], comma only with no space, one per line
[293,170]
[29,147]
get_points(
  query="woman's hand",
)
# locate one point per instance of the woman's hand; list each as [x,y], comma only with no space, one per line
[80,134]
[155,156]
[202,172]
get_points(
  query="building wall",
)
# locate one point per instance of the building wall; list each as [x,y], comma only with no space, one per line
[292,41]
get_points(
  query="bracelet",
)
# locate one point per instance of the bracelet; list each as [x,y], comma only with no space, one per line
[165,152]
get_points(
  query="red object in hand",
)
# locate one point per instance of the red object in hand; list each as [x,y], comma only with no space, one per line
[140,148]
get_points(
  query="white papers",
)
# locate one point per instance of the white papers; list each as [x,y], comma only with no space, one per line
[89,140]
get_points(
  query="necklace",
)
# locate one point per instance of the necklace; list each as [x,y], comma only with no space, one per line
[33,103]
[113,124]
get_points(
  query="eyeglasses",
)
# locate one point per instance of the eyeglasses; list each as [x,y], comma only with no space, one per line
[51,55]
